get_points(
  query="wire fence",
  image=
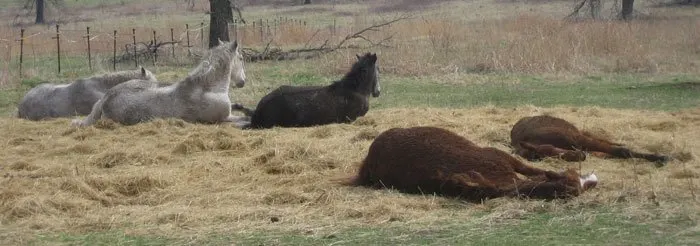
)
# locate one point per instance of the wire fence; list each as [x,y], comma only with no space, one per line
[66,52]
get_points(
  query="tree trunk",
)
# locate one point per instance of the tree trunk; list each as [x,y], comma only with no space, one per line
[39,12]
[219,17]
[627,8]
[307,1]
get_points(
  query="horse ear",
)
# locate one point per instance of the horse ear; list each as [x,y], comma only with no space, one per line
[234,45]
[143,71]
[358,56]
[373,58]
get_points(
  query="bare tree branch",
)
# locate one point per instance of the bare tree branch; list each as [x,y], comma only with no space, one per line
[371,28]
[237,9]
[307,53]
[577,9]
[143,50]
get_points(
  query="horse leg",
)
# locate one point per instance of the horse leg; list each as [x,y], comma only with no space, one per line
[614,151]
[548,150]
[241,122]
[539,189]
[625,153]
[238,107]
[470,186]
[94,115]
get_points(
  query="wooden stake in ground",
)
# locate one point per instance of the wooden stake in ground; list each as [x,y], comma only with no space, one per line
[87,37]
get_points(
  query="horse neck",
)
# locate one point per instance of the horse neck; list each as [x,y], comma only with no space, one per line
[356,82]
[112,79]
[217,80]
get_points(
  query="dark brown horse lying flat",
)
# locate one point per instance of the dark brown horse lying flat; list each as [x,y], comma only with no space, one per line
[427,160]
[537,137]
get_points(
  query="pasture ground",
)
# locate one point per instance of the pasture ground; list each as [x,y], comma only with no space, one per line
[169,182]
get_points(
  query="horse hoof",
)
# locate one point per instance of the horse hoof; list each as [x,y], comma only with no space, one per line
[77,123]
[574,156]
[662,161]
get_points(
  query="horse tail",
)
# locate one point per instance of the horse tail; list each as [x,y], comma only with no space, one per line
[363,176]
[247,111]
[94,115]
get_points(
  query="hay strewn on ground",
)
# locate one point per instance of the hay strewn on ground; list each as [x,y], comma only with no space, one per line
[168,177]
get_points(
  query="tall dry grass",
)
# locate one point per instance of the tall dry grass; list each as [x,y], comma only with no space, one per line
[429,45]
[532,44]
[168,177]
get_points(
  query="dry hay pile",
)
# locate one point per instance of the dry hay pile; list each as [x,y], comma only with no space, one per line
[168,177]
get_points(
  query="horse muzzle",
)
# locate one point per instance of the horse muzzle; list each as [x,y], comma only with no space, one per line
[588,181]
[240,84]
[375,93]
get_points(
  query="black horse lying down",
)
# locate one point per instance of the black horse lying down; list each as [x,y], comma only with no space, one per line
[301,106]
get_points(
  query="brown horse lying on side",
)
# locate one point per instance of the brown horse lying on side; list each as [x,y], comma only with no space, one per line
[433,160]
[543,136]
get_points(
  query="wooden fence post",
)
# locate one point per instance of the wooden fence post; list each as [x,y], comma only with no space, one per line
[155,49]
[187,31]
[334,28]
[21,51]
[58,47]
[172,39]
[114,51]
[136,57]
[235,30]
[262,36]
[87,36]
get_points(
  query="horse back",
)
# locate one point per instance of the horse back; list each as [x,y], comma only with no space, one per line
[424,159]
[45,100]
[544,129]
[293,106]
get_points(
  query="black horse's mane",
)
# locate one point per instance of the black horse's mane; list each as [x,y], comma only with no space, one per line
[352,79]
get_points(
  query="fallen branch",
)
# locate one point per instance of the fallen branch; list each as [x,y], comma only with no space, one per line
[143,50]
[268,53]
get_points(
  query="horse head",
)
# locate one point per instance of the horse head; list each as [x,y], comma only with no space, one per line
[370,74]
[571,183]
[237,64]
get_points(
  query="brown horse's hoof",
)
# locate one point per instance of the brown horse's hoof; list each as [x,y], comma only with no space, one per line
[574,155]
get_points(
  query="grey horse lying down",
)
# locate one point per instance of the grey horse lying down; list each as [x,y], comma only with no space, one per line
[77,98]
[201,97]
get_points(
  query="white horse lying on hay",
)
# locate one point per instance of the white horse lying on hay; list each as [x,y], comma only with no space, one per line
[52,101]
[202,97]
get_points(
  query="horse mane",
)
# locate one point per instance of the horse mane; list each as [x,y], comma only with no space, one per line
[211,67]
[115,77]
[353,78]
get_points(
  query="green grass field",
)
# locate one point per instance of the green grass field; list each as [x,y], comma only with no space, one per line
[598,226]
[603,226]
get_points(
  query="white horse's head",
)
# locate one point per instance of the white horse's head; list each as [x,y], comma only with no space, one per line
[237,65]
